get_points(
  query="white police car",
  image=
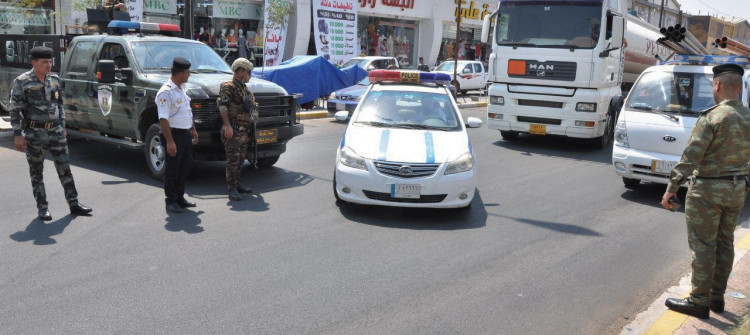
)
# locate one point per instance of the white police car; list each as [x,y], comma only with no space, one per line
[406,145]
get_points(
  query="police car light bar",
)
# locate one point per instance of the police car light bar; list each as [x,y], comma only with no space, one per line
[124,27]
[707,60]
[377,76]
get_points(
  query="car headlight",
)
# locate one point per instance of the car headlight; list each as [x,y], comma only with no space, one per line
[348,157]
[332,96]
[462,164]
[497,100]
[621,135]
[586,107]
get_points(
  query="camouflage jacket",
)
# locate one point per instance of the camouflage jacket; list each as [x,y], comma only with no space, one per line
[32,100]
[239,101]
[718,146]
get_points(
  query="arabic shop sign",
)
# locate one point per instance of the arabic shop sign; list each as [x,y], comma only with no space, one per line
[237,9]
[160,6]
[473,12]
[390,3]
[335,26]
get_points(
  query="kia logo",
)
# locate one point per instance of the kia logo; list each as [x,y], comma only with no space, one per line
[405,169]
[669,138]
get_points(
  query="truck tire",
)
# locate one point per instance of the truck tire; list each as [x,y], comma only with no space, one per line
[156,152]
[509,135]
[602,142]
[267,162]
[631,183]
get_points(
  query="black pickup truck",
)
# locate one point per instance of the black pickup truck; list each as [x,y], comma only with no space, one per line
[117,106]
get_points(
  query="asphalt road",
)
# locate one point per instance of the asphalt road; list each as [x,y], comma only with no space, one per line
[554,244]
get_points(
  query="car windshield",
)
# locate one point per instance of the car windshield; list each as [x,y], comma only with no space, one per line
[445,66]
[411,110]
[672,92]
[354,61]
[547,24]
[364,82]
[157,56]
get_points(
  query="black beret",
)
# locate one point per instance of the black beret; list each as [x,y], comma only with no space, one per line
[181,63]
[41,52]
[727,68]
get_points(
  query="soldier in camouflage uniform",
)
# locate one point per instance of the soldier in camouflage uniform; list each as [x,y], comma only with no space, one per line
[716,162]
[238,113]
[38,120]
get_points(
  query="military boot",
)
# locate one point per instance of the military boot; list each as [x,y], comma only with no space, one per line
[243,189]
[234,195]
[44,215]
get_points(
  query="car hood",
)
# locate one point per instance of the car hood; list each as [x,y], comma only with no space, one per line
[406,145]
[356,90]
[657,133]
[209,83]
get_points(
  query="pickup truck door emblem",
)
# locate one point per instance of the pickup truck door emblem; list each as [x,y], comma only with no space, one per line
[669,138]
[105,99]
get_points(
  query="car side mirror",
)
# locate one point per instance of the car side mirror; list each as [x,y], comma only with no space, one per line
[473,122]
[466,70]
[341,116]
[105,71]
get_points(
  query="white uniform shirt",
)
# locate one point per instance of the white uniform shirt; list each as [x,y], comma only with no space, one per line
[173,104]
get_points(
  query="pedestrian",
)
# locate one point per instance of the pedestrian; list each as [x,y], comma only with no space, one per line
[238,112]
[38,120]
[422,66]
[178,132]
[715,162]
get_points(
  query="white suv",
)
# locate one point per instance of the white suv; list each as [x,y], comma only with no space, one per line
[471,75]
[373,62]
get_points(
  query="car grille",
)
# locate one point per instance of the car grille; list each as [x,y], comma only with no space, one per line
[406,170]
[274,111]
[205,114]
[646,171]
[423,199]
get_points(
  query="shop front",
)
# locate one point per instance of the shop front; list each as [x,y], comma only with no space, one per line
[18,20]
[465,44]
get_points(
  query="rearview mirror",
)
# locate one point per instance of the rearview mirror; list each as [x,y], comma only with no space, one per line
[618,30]
[473,122]
[341,116]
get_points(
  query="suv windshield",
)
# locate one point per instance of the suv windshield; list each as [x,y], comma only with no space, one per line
[157,56]
[549,24]
[445,66]
[412,110]
[354,61]
[672,92]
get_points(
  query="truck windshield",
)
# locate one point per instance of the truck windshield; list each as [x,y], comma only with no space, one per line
[677,92]
[542,24]
[157,56]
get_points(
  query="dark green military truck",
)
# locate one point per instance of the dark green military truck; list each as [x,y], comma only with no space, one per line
[116,104]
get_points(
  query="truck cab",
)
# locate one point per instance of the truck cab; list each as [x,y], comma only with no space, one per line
[658,117]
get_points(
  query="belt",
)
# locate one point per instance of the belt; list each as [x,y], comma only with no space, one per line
[178,130]
[729,178]
[44,125]
[240,128]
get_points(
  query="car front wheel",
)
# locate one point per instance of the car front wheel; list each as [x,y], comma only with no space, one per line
[156,151]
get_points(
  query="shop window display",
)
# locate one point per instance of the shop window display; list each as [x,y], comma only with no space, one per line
[232,38]
[388,37]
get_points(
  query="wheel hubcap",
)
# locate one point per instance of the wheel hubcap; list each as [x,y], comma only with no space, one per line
[156,154]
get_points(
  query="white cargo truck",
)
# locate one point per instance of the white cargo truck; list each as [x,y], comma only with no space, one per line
[557,67]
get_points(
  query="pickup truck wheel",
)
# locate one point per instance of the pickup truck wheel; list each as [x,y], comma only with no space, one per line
[156,152]
[509,135]
[631,183]
[267,161]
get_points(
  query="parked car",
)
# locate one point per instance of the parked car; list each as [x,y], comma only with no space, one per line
[373,62]
[471,75]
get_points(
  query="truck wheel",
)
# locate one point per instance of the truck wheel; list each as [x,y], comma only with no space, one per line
[156,152]
[602,142]
[509,135]
[631,183]
[267,161]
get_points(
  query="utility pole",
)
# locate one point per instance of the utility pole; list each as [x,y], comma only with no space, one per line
[661,13]
[187,22]
[455,47]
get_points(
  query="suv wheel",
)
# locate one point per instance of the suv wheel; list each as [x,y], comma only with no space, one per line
[156,152]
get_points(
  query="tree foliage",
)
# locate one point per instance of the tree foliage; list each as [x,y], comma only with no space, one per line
[278,10]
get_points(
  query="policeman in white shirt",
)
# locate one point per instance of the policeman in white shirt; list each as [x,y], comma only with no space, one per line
[178,132]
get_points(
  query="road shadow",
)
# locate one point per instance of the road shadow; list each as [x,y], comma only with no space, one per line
[554,226]
[418,218]
[187,221]
[253,202]
[557,146]
[41,233]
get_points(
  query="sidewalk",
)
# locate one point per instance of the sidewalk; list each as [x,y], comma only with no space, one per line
[658,320]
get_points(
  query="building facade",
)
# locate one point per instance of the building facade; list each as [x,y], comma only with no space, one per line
[650,11]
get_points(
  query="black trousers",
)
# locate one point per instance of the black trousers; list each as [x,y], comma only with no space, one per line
[177,167]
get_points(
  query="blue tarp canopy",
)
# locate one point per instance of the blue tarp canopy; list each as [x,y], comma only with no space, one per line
[313,76]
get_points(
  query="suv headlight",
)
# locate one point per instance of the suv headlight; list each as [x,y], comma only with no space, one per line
[621,135]
[348,157]
[332,96]
[462,164]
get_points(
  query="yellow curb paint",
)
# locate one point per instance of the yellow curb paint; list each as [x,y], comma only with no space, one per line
[744,243]
[668,323]
[481,104]
[313,115]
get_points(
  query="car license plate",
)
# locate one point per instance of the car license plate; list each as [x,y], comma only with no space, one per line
[663,167]
[340,106]
[267,136]
[410,191]
[538,129]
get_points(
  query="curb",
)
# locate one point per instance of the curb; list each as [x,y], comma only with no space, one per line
[313,115]
[473,105]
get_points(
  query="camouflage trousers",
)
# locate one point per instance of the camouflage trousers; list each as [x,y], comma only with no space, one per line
[712,209]
[38,142]
[236,150]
